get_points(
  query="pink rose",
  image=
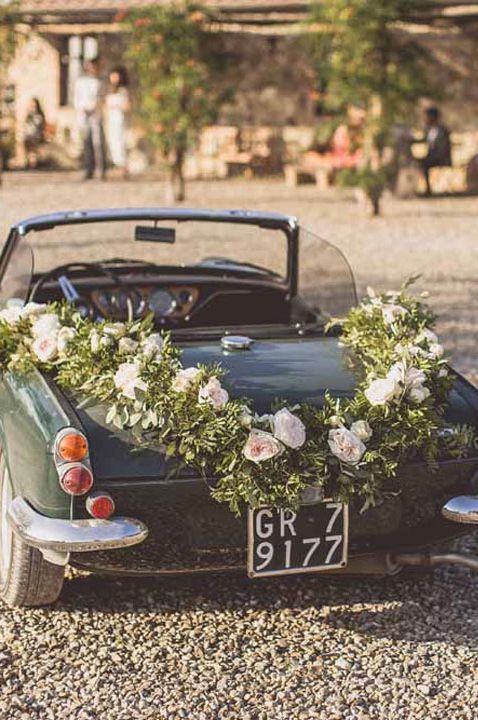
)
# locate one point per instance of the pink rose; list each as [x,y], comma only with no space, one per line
[45,348]
[261,446]
[185,378]
[346,445]
[214,394]
[289,429]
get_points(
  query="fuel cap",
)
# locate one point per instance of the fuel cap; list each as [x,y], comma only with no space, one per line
[236,342]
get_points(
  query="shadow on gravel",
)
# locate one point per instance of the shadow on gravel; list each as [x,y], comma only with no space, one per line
[411,606]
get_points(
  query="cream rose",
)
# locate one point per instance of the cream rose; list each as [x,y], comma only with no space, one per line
[127,346]
[47,325]
[214,394]
[64,336]
[185,379]
[261,446]
[45,348]
[289,429]
[361,429]
[33,309]
[246,417]
[11,314]
[152,346]
[435,351]
[381,391]
[127,380]
[94,342]
[393,312]
[116,330]
[346,445]
[419,393]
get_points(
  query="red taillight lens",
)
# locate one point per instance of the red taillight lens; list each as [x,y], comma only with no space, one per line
[76,480]
[100,505]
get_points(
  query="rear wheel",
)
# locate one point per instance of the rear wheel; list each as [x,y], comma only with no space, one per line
[26,578]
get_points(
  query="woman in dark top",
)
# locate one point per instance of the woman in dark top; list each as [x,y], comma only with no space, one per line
[34,132]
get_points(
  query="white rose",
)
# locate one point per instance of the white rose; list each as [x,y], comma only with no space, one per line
[361,429]
[393,312]
[419,393]
[46,325]
[214,394]
[117,329]
[94,342]
[246,417]
[443,372]
[381,391]
[152,346]
[11,314]
[435,350]
[397,372]
[414,377]
[32,309]
[45,348]
[127,346]
[185,379]
[106,341]
[127,380]
[64,336]
[427,335]
[261,446]
[289,429]
[346,445]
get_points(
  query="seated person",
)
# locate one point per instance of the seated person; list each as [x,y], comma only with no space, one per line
[437,137]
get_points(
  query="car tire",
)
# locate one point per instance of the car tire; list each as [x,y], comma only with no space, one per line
[26,578]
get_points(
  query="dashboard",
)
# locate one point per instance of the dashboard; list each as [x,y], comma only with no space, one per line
[174,302]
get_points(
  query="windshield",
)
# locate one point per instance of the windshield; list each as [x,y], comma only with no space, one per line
[259,251]
[326,281]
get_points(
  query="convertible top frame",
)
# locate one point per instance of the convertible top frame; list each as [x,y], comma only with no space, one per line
[288,224]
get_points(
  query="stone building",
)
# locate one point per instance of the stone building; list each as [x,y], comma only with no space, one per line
[261,42]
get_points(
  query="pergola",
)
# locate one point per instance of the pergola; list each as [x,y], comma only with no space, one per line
[273,17]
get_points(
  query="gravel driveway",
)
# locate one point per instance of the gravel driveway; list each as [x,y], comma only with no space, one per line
[227,648]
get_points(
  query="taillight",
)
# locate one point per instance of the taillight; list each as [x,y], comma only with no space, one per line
[72,463]
[76,479]
[100,505]
[71,446]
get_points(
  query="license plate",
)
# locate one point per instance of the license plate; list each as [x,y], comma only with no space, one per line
[282,542]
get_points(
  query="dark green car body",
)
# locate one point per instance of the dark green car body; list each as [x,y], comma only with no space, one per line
[188,530]
[165,519]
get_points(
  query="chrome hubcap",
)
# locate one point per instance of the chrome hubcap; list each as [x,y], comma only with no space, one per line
[6,532]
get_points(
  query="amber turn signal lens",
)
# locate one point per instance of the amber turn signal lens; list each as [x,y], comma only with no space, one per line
[72,447]
[76,480]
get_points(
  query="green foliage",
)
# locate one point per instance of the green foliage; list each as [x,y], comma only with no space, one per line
[363,59]
[136,374]
[175,95]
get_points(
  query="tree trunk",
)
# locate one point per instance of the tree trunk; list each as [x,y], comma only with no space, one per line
[176,189]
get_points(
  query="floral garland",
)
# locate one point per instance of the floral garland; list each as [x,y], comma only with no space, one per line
[348,447]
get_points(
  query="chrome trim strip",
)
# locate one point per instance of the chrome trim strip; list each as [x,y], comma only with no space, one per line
[462,509]
[73,535]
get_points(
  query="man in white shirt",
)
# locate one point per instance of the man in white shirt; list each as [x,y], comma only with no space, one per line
[88,105]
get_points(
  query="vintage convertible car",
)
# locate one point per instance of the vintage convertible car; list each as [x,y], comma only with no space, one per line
[226,284]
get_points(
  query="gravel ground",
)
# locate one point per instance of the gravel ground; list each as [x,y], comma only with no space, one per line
[225,647]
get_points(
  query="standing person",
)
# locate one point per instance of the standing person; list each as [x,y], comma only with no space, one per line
[437,137]
[34,132]
[117,106]
[88,105]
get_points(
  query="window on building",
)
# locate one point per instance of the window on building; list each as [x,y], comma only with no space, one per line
[76,50]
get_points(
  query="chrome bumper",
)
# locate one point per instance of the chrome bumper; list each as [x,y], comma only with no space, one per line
[462,509]
[65,536]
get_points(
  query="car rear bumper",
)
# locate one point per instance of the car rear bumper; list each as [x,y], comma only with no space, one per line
[67,536]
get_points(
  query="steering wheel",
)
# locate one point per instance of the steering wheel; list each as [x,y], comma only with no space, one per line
[60,273]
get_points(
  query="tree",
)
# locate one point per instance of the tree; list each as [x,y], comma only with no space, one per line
[7,49]
[362,58]
[176,97]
